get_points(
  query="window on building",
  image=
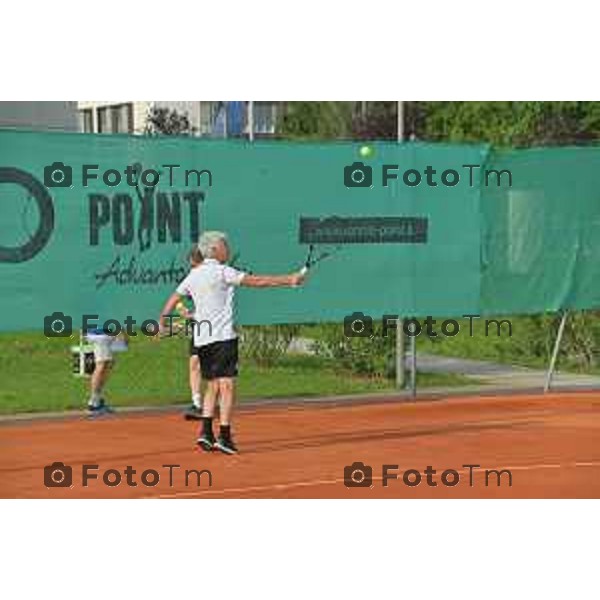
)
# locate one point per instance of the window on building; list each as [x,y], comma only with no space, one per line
[265,118]
[87,120]
[117,118]
[212,118]
[208,115]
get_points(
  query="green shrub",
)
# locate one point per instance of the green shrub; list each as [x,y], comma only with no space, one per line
[372,356]
[266,344]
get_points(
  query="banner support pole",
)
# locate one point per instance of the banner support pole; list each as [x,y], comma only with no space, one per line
[400,364]
[559,336]
[413,366]
[400,345]
[81,354]
[250,121]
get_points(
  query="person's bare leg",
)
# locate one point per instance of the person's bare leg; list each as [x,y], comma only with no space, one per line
[98,381]
[210,399]
[226,399]
[195,381]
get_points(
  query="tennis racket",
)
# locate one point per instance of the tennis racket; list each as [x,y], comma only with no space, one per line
[313,258]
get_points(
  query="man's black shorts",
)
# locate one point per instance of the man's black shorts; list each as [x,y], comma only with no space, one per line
[219,359]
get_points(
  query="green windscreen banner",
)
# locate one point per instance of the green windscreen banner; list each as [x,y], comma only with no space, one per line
[541,236]
[99,224]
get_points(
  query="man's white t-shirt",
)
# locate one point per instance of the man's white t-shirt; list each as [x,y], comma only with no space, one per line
[212,286]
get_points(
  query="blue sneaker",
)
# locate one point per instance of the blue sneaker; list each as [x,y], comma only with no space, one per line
[96,410]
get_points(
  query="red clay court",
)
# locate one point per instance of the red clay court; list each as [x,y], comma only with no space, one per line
[549,443]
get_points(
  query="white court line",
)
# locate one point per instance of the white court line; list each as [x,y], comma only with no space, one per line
[340,480]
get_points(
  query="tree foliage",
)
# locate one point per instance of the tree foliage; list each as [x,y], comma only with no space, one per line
[517,124]
[317,120]
[167,121]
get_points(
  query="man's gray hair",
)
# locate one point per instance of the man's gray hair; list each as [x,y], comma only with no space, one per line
[208,242]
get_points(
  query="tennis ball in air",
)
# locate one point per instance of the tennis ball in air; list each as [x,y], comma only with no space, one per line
[366,151]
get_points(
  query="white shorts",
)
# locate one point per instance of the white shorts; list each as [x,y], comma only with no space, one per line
[105,346]
[102,348]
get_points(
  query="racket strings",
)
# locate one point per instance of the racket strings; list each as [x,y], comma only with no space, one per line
[312,260]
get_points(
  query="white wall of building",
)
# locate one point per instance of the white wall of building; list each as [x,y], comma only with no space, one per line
[140,110]
[94,107]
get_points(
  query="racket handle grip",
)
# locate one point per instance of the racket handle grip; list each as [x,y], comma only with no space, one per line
[303,271]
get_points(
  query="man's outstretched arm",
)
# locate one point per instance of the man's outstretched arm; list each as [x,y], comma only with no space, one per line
[292,280]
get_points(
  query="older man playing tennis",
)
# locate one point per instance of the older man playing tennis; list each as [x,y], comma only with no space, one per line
[212,287]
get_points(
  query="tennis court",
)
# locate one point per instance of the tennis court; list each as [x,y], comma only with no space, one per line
[393,247]
[547,442]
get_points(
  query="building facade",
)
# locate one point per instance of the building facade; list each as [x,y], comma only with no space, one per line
[206,118]
[39,115]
